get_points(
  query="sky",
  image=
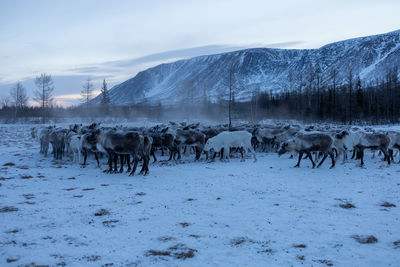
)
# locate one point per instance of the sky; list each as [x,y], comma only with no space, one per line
[79,39]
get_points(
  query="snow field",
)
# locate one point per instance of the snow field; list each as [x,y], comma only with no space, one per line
[194,213]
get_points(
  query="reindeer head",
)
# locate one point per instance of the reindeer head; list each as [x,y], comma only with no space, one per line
[257,134]
[287,146]
[209,146]
[342,134]
[283,149]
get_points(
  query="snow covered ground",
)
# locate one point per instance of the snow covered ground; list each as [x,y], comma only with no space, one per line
[195,213]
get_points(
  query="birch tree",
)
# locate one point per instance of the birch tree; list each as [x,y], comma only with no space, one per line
[44,93]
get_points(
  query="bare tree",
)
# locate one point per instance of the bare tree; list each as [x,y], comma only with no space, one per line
[5,102]
[44,94]
[87,93]
[18,97]
[350,85]
[230,84]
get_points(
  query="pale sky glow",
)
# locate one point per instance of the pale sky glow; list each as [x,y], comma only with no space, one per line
[73,40]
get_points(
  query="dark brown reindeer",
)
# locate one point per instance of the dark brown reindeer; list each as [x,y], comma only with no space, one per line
[190,138]
[307,143]
[373,141]
[89,144]
[162,140]
[56,138]
[115,143]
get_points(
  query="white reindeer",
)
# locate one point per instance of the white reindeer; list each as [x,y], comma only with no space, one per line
[226,140]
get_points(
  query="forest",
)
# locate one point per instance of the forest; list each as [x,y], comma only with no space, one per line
[353,102]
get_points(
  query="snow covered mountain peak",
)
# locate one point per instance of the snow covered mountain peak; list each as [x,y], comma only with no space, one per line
[259,69]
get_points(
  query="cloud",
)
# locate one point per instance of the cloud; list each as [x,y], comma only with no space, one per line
[178,53]
[142,63]
[74,96]
[194,52]
[285,44]
[69,85]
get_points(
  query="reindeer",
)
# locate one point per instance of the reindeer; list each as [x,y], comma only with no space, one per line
[147,145]
[273,136]
[88,143]
[226,140]
[373,141]
[162,140]
[394,143]
[124,143]
[190,138]
[74,147]
[307,143]
[35,133]
[56,138]
[44,138]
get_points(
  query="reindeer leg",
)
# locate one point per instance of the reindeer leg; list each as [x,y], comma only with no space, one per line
[391,154]
[206,153]
[115,162]
[122,160]
[198,152]
[254,154]
[170,154]
[136,160]
[78,157]
[110,158]
[361,153]
[333,159]
[228,155]
[300,157]
[147,165]
[146,159]
[354,154]
[213,156]
[387,155]
[143,165]
[310,157]
[317,156]
[153,154]
[128,161]
[84,158]
[97,159]
[344,156]
[398,151]
[241,153]
[323,159]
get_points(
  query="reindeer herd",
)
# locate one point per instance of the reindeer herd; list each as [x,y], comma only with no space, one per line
[130,145]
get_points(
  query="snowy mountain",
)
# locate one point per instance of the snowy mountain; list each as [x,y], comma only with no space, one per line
[263,69]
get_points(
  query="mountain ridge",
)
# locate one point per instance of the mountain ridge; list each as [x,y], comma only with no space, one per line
[259,69]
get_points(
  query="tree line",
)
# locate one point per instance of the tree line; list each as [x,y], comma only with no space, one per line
[15,106]
[349,103]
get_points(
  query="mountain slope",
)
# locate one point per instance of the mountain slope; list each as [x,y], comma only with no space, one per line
[263,69]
